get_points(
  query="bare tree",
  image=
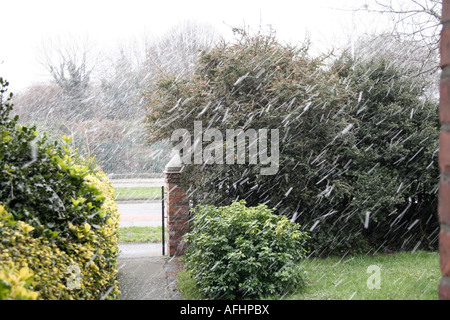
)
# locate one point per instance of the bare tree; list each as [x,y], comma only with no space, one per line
[415,60]
[176,52]
[38,102]
[410,38]
[70,63]
[141,62]
[121,86]
[416,21]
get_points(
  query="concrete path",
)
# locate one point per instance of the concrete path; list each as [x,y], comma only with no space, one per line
[144,273]
[140,250]
[143,279]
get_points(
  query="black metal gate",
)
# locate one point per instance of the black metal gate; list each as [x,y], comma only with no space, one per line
[163,232]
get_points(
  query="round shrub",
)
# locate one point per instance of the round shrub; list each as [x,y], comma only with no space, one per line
[244,252]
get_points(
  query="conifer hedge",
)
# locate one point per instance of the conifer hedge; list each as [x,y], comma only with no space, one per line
[358,141]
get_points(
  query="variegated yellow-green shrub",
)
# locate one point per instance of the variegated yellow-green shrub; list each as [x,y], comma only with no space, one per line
[58,218]
[14,284]
[82,271]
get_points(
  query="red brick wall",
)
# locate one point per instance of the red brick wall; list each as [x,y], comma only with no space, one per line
[444,155]
[177,213]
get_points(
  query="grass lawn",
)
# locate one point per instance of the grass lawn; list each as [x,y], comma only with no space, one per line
[403,276]
[140,234]
[130,193]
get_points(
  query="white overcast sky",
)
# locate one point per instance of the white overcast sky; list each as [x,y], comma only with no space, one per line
[26,23]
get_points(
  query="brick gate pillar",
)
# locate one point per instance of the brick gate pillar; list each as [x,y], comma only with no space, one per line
[444,154]
[177,208]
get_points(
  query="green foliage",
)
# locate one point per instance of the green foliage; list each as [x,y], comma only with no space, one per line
[259,83]
[244,252]
[403,276]
[15,284]
[130,193]
[59,214]
[140,234]
[394,173]
[358,142]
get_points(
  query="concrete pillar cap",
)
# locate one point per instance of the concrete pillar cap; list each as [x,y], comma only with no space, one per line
[175,163]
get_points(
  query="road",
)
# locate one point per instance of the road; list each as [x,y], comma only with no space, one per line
[121,183]
[144,213]
[139,213]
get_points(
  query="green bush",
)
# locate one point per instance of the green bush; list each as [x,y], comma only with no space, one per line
[244,252]
[58,217]
[394,172]
[260,83]
[358,142]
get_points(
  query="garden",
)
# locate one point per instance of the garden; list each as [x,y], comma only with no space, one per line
[356,183]
[350,213]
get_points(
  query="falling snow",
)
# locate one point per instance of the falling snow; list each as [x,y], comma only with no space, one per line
[358,155]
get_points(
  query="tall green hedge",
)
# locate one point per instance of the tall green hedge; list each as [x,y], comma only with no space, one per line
[59,221]
[394,172]
[358,142]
